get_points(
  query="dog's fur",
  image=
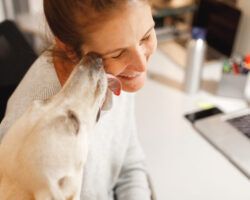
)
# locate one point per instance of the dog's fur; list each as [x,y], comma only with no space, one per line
[43,154]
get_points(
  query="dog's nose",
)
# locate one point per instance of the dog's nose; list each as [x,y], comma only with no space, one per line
[94,61]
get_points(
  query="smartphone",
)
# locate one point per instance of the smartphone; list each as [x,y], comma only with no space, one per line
[192,117]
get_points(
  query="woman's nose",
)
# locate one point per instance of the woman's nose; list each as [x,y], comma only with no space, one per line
[139,59]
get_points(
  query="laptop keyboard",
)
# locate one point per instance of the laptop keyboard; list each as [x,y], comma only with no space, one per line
[241,123]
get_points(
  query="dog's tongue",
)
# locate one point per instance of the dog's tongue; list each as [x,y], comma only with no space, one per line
[114,84]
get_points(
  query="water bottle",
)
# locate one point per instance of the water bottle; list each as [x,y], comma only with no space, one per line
[196,49]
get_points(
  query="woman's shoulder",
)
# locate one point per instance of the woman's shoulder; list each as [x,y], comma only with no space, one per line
[40,82]
[43,65]
[40,76]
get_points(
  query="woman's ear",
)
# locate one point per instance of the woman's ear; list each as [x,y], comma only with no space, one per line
[67,49]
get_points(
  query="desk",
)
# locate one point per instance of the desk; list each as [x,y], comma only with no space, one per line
[183,165]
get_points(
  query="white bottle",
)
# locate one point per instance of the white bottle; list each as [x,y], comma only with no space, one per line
[196,49]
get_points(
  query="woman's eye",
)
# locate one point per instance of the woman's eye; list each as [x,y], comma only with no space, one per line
[118,55]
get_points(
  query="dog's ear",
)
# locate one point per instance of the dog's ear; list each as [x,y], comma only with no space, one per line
[73,121]
[68,123]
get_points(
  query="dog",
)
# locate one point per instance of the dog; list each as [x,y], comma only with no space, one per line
[43,154]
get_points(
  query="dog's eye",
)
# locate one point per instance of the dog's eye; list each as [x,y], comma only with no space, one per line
[98,115]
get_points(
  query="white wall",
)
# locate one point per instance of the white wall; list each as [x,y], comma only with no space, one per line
[242,44]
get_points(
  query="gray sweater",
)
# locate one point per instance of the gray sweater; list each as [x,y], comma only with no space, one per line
[115,165]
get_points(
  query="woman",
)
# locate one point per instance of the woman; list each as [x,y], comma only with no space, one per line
[122,33]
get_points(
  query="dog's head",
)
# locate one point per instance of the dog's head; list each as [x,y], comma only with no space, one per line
[86,88]
[51,138]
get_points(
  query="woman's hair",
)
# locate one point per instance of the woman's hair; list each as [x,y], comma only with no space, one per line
[71,20]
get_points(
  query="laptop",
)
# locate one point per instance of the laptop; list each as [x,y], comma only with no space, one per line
[230,134]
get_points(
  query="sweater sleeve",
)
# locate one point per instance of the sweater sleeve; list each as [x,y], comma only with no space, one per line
[133,182]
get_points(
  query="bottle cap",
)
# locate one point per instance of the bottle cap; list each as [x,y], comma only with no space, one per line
[199,33]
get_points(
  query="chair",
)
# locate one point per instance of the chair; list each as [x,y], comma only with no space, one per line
[16,56]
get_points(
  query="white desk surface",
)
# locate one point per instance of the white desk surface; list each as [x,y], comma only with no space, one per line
[183,165]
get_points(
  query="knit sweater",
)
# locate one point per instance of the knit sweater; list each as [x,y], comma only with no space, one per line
[115,165]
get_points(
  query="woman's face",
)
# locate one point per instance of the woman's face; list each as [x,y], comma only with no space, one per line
[125,43]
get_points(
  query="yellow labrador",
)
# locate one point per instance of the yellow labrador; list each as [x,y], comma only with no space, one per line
[43,154]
